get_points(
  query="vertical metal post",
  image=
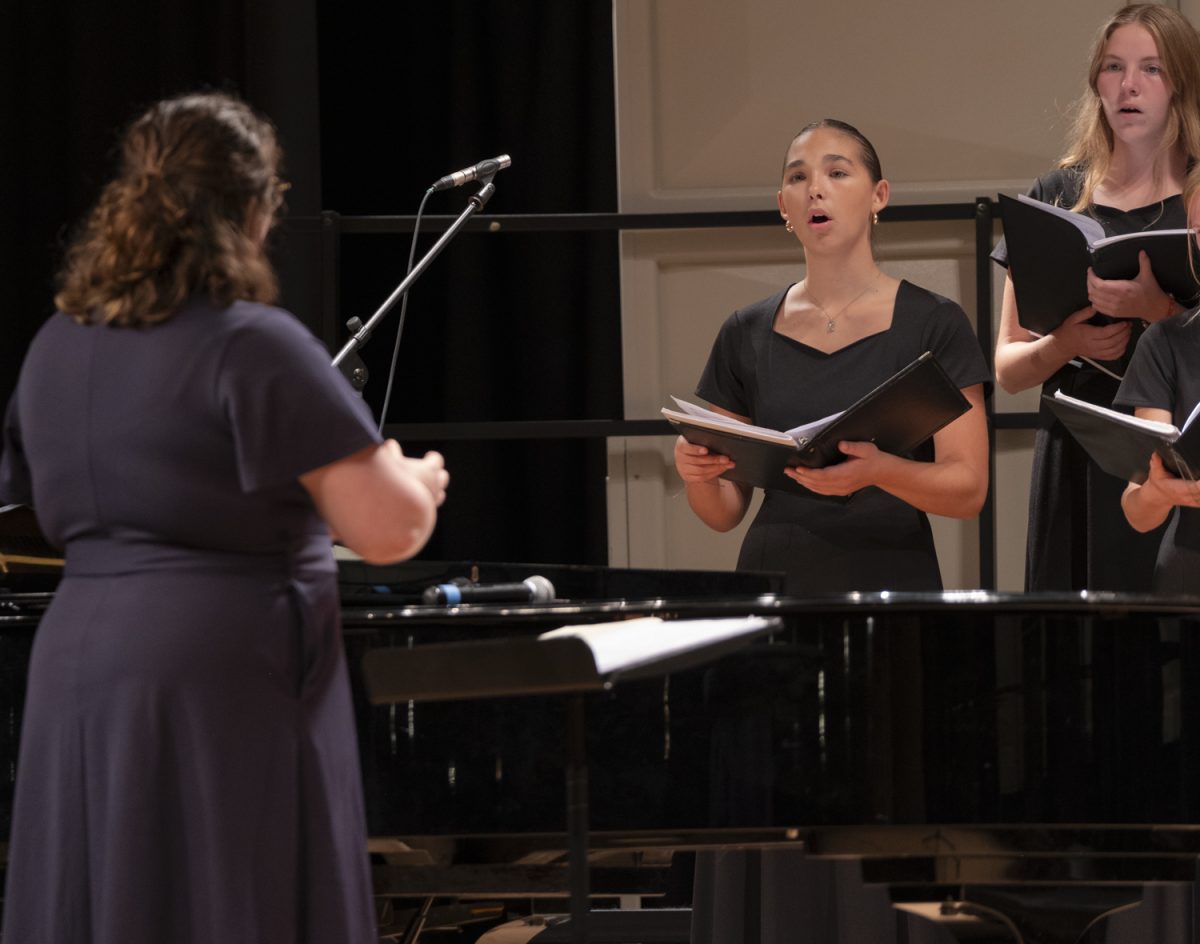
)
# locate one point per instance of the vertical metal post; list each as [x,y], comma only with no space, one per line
[983,331]
[331,235]
[577,818]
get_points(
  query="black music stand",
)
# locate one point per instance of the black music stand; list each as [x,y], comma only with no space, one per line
[572,661]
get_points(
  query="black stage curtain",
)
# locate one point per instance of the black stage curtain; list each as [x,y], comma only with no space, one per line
[373,104]
[76,72]
[500,327]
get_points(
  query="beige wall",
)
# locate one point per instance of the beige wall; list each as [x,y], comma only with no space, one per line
[960,98]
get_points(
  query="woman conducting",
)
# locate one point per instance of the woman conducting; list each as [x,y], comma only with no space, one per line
[188,769]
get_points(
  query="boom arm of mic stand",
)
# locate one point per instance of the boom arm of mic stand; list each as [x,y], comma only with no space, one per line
[357,376]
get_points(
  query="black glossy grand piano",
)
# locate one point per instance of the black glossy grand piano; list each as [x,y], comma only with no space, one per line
[917,767]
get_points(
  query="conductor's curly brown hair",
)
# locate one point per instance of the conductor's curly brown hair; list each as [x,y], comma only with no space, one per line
[198,184]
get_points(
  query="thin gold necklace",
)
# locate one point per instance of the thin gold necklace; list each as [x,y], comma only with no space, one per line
[829,321]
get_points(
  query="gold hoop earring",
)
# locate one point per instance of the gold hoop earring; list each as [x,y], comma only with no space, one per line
[875,219]
[787,224]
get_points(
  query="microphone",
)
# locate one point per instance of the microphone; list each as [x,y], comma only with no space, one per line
[486,168]
[534,589]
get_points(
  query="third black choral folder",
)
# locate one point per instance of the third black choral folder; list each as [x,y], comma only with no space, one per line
[1122,444]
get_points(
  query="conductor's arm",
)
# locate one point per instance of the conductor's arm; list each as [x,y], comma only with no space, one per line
[380,503]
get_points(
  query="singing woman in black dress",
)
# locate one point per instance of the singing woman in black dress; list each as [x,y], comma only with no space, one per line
[1133,152]
[813,349]
[1163,384]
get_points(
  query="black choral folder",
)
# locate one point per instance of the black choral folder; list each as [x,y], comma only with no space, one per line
[1122,444]
[1051,248]
[897,416]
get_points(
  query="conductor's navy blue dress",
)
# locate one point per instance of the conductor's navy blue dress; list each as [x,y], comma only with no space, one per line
[188,770]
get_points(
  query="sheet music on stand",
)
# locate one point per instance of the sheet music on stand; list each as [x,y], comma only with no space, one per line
[583,658]
[570,661]
[650,644]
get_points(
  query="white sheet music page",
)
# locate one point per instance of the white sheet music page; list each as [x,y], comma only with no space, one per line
[625,644]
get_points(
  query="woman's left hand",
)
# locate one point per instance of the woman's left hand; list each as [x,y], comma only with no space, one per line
[1140,297]
[858,471]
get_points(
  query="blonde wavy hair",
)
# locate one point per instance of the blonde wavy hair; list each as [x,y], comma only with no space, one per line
[1179,49]
[198,176]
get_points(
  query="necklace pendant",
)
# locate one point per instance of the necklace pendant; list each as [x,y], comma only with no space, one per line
[829,327]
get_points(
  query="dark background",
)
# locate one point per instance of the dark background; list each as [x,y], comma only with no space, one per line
[373,104]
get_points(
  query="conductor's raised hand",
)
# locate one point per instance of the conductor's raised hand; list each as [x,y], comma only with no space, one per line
[1139,297]
[430,471]
[861,468]
[695,464]
[1096,342]
[378,502]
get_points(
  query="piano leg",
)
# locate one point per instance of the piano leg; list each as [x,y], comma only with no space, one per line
[1156,913]
[577,818]
[1167,912]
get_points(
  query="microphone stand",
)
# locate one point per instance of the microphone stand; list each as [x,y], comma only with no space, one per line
[347,359]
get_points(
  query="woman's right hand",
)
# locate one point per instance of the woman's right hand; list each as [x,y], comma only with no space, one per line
[1166,490]
[429,470]
[721,504]
[380,503]
[1095,342]
[1147,505]
[695,464]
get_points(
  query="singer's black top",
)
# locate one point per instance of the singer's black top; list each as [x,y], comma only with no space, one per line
[874,541]
[1163,375]
[1075,517]
[188,764]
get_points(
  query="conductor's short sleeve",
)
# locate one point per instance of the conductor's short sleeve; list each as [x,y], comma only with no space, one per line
[16,487]
[289,410]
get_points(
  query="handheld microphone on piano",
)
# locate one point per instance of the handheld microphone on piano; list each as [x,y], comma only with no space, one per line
[484,170]
[533,589]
